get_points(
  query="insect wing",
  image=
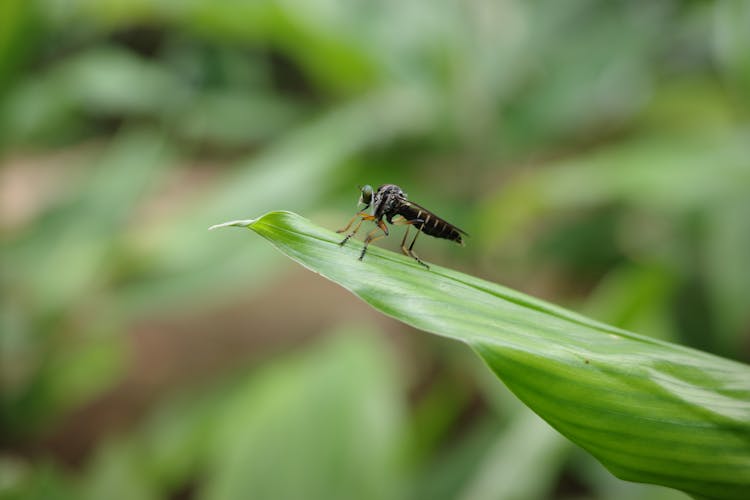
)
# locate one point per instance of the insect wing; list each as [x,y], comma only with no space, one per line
[415,211]
[430,223]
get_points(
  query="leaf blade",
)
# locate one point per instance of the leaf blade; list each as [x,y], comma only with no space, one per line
[650,411]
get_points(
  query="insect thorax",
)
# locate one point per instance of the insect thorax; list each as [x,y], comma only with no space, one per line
[386,201]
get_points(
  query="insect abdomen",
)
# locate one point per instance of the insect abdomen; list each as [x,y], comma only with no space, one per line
[432,224]
[441,229]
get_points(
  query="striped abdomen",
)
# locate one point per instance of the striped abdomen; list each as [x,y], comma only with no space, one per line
[432,224]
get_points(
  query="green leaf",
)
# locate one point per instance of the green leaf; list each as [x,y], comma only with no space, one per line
[301,428]
[650,411]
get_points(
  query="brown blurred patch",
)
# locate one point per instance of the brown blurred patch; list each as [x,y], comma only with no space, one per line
[170,354]
[30,183]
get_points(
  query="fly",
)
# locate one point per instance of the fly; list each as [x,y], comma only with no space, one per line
[390,201]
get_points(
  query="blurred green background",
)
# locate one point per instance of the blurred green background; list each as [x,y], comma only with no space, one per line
[597,152]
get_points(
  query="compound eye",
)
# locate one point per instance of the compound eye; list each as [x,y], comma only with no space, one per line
[366,196]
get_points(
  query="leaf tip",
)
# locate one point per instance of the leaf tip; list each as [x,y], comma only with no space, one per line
[234,223]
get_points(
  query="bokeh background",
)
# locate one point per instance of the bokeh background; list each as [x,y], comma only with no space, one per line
[597,152]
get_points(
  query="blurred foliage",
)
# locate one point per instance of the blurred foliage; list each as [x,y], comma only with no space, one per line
[598,153]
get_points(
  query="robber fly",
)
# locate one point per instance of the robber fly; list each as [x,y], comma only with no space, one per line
[390,201]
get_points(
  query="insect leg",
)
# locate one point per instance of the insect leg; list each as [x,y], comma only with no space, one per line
[403,242]
[344,229]
[356,228]
[372,237]
[403,221]
[364,217]
[414,255]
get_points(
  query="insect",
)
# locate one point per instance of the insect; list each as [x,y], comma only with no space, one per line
[390,201]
